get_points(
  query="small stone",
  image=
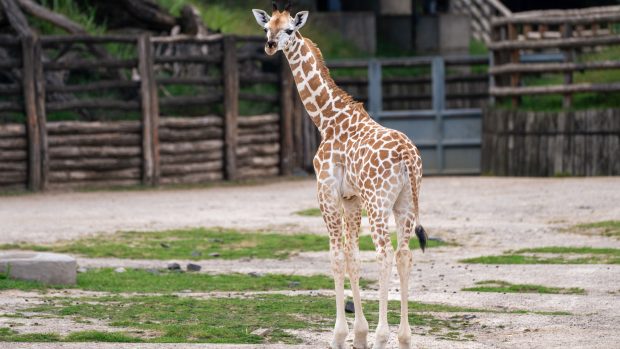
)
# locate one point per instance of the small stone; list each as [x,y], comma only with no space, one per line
[262,332]
[469,316]
[174,266]
[82,270]
[216,241]
[120,270]
[196,253]
[255,274]
[153,271]
[164,245]
[214,254]
[294,284]
[193,267]
[349,307]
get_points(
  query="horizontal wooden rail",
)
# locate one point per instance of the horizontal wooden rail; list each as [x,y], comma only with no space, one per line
[10,64]
[10,89]
[181,101]
[555,89]
[187,39]
[189,59]
[559,20]
[11,106]
[94,104]
[93,86]
[555,43]
[84,64]
[553,67]
[208,81]
[87,39]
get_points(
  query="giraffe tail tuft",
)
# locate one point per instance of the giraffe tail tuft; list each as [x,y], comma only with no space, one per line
[422,237]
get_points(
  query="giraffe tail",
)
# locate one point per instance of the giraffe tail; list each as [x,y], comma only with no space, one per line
[411,172]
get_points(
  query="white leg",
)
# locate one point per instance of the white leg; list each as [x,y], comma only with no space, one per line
[385,257]
[330,207]
[353,216]
[405,220]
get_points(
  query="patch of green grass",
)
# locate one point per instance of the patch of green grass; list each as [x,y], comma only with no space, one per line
[231,320]
[553,255]
[195,244]
[503,286]
[9,335]
[605,228]
[142,281]
[137,280]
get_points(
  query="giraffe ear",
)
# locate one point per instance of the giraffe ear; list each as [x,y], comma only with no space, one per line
[262,18]
[300,19]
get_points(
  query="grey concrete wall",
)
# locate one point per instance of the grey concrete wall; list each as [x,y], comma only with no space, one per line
[443,34]
[357,27]
[396,7]
[397,31]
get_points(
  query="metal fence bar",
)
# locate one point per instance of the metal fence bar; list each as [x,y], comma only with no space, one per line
[439,103]
[375,95]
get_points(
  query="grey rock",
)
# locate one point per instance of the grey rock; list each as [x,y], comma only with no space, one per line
[153,271]
[196,253]
[469,316]
[193,267]
[294,284]
[120,270]
[255,274]
[81,270]
[349,307]
[174,266]
[164,245]
[214,254]
[262,332]
[216,241]
[47,268]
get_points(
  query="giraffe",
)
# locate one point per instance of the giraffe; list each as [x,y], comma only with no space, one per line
[359,164]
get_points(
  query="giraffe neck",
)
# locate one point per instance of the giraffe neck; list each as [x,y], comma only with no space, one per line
[325,102]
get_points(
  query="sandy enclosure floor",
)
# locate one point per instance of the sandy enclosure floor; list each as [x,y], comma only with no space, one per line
[484,215]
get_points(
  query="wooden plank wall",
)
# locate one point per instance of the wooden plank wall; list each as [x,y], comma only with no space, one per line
[575,143]
[94,154]
[13,156]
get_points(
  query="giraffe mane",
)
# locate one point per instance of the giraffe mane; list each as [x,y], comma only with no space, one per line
[325,74]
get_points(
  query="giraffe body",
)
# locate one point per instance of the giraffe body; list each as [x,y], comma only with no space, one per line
[359,164]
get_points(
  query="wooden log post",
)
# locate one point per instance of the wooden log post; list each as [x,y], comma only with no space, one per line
[514,58]
[30,106]
[567,100]
[286,119]
[150,112]
[230,72]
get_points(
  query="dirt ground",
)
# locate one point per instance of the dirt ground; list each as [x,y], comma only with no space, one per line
[484,215]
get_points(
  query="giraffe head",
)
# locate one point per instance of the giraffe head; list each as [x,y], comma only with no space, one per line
[280,27]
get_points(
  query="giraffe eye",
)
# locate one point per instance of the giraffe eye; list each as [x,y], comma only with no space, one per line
[289,31]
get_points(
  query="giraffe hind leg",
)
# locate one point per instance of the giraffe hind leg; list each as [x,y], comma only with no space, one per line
[352,218]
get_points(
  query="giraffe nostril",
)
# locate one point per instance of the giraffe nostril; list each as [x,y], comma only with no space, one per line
[271,44]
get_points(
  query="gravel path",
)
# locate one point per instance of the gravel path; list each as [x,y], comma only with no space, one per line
[484,215]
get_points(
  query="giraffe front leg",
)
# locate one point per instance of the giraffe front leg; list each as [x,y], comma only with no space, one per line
[352,218]
[329,202]
[379,217]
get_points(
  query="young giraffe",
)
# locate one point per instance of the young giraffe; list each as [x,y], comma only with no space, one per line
[359,163]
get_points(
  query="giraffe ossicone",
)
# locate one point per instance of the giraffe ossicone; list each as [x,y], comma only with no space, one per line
[359,164]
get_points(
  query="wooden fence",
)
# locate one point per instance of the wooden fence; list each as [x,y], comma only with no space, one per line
[134,120]
[576,143]
[565,33]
